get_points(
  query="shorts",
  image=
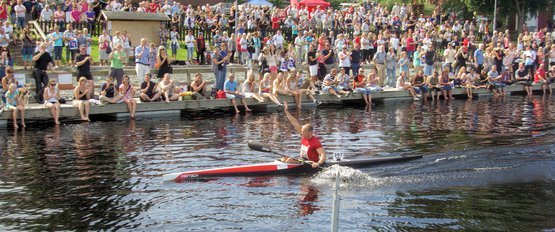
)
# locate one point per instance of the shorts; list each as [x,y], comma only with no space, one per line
[273,69]
[326,89]
[447,87]
[88,76]
[313,70]
[525,83]
[232,96]
[27,53]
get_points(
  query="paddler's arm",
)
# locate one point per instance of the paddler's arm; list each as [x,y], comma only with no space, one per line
[292,119]
[322,156]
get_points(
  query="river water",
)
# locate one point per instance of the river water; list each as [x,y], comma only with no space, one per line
[488,165]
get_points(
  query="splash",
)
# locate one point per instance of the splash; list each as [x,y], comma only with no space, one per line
[350,178]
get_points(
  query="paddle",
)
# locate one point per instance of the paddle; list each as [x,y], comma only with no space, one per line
[258,146]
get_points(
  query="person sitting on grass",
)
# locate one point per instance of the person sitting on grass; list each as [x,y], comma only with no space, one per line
[109,93]
[250,86]
[232,92]
[148,90]
[166,89]
[81,98]
[402,83]
[127,90]
[15,101]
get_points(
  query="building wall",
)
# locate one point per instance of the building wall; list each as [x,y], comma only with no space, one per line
[138,30]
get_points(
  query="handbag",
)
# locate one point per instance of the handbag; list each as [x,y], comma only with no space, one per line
[157,65]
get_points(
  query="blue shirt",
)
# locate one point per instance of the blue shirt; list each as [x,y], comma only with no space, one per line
[222,55]
[144,58]
[58,42]
[230,86]
[479,56]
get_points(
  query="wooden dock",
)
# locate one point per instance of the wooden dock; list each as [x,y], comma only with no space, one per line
[66,79]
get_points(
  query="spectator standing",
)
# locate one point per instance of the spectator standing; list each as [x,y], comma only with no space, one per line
[142,66]
[83,63]
[379,60]
[356,57]
[42,59]
[391,66]
[201,48]
[190,42]
[328,56]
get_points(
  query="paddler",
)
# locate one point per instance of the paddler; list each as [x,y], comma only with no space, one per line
[311,148]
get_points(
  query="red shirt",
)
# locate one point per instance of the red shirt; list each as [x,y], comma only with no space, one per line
[309,147]
[410,46]
[358,80]
[357,40]
[152,8]
[539,73]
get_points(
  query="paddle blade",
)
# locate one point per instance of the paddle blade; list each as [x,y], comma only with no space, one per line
[258,146]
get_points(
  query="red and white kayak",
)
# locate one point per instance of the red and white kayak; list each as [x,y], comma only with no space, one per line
[279,168]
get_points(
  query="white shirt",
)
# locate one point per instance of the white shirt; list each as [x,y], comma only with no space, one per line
[449,55]
[394,43]
[46,15]
[190,40]
[345,62]
[20,11]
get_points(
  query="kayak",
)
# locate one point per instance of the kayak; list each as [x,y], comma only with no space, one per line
[280,168]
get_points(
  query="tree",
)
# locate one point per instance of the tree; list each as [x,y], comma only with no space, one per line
[507,8]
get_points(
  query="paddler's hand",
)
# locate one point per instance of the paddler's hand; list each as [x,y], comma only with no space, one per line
[315,165]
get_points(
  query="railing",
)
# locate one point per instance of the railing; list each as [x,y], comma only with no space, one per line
[95,29]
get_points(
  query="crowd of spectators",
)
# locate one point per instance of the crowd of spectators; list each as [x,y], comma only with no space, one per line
[294,51]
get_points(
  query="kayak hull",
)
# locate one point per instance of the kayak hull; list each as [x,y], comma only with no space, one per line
[280,168]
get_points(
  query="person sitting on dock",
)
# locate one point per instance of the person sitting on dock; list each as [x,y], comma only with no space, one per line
[15,101]
[109,93]
[433,85]
[541,78]
[81,98]
[51,96]
[232,92]
[329,84]
[307,87]
[249,88]
[149,91]
[265,88]
[279,88]
[311,148]
[523,77]
[402,83]
[446,85]
[165,88]
[419,84]
[127,90]
[198,88]
[359,85]
[493,79]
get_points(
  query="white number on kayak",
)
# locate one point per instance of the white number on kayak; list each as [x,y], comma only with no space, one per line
[337,156]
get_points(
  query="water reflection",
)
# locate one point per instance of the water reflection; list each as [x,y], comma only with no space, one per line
[106,175]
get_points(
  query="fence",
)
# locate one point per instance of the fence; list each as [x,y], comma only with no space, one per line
[95,29]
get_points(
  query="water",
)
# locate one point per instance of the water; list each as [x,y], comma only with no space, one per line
[488,165]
